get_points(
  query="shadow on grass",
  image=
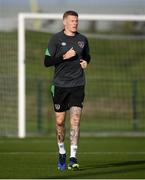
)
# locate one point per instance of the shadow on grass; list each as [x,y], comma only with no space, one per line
[96,170]
[114,164]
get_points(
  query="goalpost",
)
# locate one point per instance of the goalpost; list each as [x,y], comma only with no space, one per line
[21,53]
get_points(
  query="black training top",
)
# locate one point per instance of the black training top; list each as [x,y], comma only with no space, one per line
[68,72]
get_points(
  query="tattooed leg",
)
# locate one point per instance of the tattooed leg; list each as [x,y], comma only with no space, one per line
[75,115]
[60,126]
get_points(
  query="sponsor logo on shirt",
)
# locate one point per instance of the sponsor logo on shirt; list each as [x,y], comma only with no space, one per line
[63,43]
[81,44]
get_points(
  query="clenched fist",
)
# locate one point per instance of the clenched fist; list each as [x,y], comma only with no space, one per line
[83,63]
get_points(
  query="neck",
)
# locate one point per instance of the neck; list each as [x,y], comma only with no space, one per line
[69,33]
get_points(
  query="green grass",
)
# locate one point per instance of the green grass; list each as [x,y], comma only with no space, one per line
[100,157]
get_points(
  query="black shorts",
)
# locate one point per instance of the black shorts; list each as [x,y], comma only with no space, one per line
[64,98]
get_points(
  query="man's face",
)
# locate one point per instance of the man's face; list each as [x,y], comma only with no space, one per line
[71,23]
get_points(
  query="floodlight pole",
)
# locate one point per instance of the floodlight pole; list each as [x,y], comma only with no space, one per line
[21,77]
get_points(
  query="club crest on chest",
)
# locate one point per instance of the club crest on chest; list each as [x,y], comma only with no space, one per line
[81,44]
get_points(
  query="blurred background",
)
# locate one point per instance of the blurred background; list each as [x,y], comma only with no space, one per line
[9,9]
[115,91]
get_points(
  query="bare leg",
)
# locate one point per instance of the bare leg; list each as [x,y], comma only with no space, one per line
[75,115]
[60,133]
[60,126]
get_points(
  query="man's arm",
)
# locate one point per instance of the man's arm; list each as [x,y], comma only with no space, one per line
[52,60]
[86,53]
[86,56]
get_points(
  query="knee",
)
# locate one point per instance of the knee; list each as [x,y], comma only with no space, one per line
[59,120]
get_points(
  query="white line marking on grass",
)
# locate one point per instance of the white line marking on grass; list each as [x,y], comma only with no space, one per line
[81,153]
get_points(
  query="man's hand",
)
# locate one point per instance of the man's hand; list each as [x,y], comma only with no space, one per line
[83,63]
[69,54]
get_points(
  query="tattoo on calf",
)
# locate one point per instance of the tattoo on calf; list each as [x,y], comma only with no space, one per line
[75,115]
[60,132]
[74,135]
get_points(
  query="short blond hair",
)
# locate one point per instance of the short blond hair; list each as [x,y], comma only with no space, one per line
[70,12]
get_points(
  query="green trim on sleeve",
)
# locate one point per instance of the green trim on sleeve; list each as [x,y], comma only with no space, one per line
[47,53]
[52,90]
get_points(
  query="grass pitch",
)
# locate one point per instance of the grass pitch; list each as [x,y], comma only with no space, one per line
[100,157]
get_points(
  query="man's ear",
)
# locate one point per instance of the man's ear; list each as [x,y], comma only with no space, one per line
[64,22]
